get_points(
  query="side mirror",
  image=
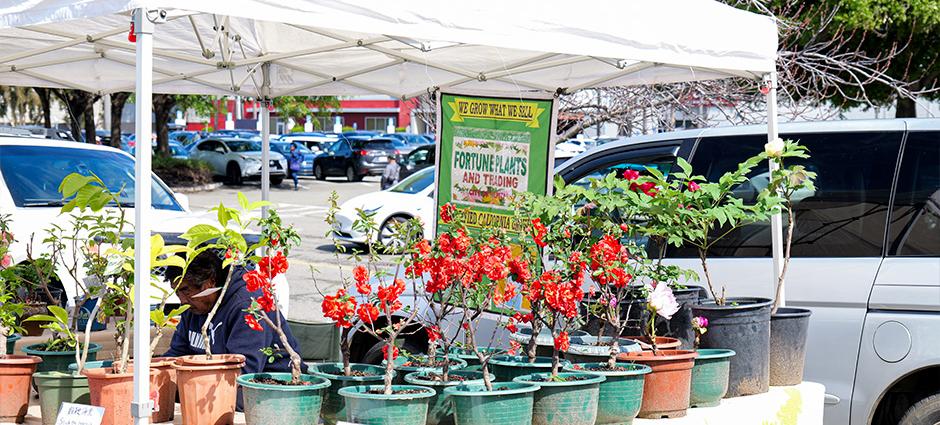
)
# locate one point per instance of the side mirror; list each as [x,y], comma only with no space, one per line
[183,200]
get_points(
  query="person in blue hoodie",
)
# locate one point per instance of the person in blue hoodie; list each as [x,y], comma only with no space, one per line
[228,333]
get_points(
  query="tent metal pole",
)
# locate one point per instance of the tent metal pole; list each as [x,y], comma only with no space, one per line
[265,136]
[776,221]
[141,407]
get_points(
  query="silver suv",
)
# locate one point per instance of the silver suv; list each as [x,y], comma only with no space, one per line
[866,252]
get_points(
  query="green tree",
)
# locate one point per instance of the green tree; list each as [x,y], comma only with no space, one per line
[299,107]
[165,104]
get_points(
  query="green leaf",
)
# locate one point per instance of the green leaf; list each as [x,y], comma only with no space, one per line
[684,165]
[158,317]
[223,215]
[243,201]
[40,318]
[72,183]
[156,245]
[60,313]
[258,204]
[200,233]
[99,200]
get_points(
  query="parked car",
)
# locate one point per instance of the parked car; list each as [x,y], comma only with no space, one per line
[576,146]
[409,141]
[177,150]
[185,138]
[866,251]
[283,148]
[417,160]
[47,133]
[238,159]
[410,198]
[354,159]
[315,142]
[30,173]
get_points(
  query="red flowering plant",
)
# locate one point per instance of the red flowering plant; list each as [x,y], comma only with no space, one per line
[480,273]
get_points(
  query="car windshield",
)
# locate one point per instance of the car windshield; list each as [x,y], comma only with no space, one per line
[243,146]
[415,182]
[284,148]
[33,174]
[178,150]
[379,144]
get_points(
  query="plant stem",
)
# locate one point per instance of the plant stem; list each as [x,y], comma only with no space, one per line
[344,347]
[125,341]
[778,297]
[389,366]
[719,299]
[614,350]
[87,337]
[3,342]
[218,302]
[295,360]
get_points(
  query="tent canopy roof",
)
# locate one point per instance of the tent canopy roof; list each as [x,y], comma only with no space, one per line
[399,48]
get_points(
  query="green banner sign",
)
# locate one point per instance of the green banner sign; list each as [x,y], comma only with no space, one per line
[490,149]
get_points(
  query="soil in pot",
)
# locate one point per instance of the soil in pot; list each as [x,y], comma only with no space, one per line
[621,394]
[113,391]
[58,361]
[440,409]
[207,388]
[15,374]
[710,377]
[58,387]
[333,407]
[422,363]
[667,387]
[270,399]
[507,368]
[407,405]
[568,399]
[789,328]
[510,403]
[743,326]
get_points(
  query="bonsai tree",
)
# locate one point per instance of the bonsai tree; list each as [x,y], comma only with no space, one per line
[10,311]
[786,182]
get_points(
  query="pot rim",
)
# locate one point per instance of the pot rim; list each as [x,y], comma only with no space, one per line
[14,337]
[637,369]
[314,370]
[17,359]
[461,363]
[544,337]
[666,355]
[359,391]
[474,391]
[92,348]
[540,361]
[106,373]
[319,382]
[752,303]
[415,378]
[592,379]
[791,312]
[217,360]
[714,353]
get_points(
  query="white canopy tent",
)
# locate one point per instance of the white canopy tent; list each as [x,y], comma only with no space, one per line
[402,49]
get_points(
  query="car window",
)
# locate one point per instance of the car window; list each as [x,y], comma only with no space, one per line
[243,146]
[415,182]
[33,174]
[844,217]
[914,228]
[419,156]
[208,145]
[380,144]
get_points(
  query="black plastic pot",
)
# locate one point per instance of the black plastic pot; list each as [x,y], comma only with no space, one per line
[788,331]
[633,310]
[680,325]
[742,325]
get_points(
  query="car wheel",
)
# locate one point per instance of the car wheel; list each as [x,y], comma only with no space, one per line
[276,180]
[389,240]
[233,174]
[318,172]
[350,174]
[374,355]
[924,412]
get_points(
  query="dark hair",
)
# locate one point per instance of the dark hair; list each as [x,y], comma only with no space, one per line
[207,265]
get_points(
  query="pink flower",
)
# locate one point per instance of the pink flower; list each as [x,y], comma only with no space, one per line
[662,301]
[699,322]
[693,187]
[631,175]
[6,261]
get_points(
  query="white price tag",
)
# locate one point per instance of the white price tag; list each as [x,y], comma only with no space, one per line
[79,414]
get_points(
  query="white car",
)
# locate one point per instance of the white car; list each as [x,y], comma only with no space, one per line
[238,159]
[30,173]
[410,198]
[316,143]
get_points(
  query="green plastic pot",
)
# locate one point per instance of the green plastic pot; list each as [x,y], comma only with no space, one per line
[363,407]
[507,368]
[58,361]
[621,395]
[468,356]
[333,407]
[710,377]
[440,409]
[97,364]
[58,387]
[11,343]
[403,370]
[510,403]
[564,402]
[266,404]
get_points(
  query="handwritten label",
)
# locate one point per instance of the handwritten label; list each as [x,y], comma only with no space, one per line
[79,414]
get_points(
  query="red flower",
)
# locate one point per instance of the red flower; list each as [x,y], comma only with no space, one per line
[511,327]
[423,247]
[561,341]
[465,326]
[447,213]
[434,333]
[340,308]
[361,276]
[631,175]
[513,348]
[394,352]
[254,280]
[520,270]
[368,313]
[252,323]
[694,187]
[266,301]
[274,241]
[539,232]
[273,266]
[391,292]
[624,228]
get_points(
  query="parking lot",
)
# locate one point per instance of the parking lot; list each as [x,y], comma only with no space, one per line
[313,267]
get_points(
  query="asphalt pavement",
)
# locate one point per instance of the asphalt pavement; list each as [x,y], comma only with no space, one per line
[314,266]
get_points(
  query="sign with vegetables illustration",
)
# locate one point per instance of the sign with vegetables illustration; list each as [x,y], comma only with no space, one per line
[489,150]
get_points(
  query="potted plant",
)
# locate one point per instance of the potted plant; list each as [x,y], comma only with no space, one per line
[710,372]
[788,325]
[10,286]
[340,307]
[276,398]
[699,213]
[15,371]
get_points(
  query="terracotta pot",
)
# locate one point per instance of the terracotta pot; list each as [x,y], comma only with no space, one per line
[666,389]
[207,388]
[114,392]
[15,375]
[162,383]
[662,342]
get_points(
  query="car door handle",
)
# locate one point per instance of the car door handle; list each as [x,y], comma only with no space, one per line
[831,400]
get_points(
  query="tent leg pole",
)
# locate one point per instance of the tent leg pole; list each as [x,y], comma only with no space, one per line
[776,221]
[141,407]
[265,137]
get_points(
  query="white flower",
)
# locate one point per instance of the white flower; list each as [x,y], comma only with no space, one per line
[662,301]
[774,148]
